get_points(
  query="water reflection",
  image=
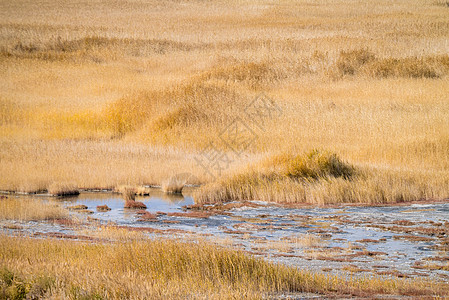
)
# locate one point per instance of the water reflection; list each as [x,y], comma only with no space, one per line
[156,201]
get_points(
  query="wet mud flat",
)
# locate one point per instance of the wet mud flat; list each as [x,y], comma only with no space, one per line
[393,241]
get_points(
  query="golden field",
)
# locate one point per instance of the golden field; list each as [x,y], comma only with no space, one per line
[106,93]
[124,93]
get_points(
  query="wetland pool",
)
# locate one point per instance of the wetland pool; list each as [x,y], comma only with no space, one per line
[403,241]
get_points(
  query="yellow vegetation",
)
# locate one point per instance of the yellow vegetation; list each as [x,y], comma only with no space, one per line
[134,190]
[320,178]
[166,269]
[25,209]
[133,99]
[62,189]
[174,185]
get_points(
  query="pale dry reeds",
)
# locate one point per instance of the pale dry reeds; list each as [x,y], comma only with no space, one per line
[173,185]
[29,209]
[63,189]
[167,269]
[319,178]
[359,79]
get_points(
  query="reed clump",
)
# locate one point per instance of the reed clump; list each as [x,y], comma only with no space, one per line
[278,177]
[127,190]
[129,194]
[312,165]
[349,62]
[62,189]
[412,67]
[255,75]
[103,208]
[173,185]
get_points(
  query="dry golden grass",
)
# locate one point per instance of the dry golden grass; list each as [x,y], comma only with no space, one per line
[25,209]
[135,190]
[129,194]
[166,269]
[63,189]
[89,164]
[173,185]
[320,178]
[131,99]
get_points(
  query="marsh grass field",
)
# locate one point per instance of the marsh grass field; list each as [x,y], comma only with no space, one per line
[111,93]
[168,270]
[103,94]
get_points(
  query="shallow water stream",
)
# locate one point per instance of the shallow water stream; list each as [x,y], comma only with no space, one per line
[403,241]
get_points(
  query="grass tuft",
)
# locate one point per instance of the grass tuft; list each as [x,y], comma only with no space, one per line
[129,194]
[410,67]
[173,186]
[61,189]
[252,74]
[313,165]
